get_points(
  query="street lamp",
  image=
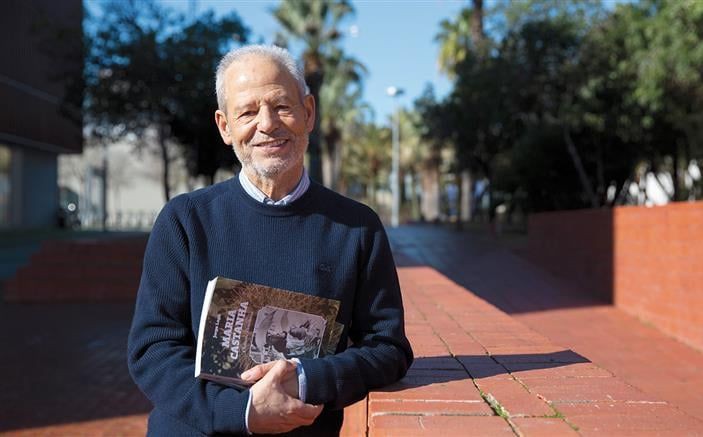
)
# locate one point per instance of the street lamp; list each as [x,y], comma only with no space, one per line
[395,168]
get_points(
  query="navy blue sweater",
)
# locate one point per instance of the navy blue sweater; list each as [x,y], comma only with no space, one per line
[322,244]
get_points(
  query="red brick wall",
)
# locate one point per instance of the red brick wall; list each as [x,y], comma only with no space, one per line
[647,261]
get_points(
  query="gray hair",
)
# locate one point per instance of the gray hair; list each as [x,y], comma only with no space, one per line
[277,54]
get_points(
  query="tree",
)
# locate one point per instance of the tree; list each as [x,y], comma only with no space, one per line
[462,38]
[571,102]
[666,55]
[340,95]
[434,127]
[368,161]
[315,23]
[195,52]
[126,91]
[462,44]
[143,77]
[544,52]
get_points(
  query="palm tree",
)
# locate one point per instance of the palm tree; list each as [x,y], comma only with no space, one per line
[461,38]
[315,23]
[368,159]
[340,95]
[459,41]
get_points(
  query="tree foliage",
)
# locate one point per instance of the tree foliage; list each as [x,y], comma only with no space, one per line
[314,23]
[149,77]
[571,99]
[340,96]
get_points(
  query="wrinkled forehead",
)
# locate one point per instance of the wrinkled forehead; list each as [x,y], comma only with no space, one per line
[257,71]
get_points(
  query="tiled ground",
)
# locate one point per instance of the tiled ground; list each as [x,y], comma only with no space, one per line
[637,353]
[481,372]
[551,362]
[64,371]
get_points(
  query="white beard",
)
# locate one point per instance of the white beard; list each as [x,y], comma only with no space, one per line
[272,167]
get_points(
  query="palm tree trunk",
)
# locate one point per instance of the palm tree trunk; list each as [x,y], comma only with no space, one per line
[337,167]
[477,22]
[467,197]
[314,81]
[429,178]
[165,161]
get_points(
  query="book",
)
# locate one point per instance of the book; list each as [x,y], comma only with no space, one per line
[244,324]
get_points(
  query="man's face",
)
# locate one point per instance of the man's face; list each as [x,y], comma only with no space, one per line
[266,121]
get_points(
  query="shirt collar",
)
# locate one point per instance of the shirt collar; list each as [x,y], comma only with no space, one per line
[258,195]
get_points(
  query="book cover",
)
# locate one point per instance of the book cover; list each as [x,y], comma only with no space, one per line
[244,324]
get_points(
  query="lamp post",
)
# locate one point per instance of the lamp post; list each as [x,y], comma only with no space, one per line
[395,168]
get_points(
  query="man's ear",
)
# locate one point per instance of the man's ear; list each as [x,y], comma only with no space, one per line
[223,127]
[309,105]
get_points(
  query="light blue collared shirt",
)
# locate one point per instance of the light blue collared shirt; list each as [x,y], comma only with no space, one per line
[254,191]
[258,195]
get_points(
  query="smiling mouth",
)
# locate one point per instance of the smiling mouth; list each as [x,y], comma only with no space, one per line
[272,144]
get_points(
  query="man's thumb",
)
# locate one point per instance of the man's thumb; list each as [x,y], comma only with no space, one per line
[258,372]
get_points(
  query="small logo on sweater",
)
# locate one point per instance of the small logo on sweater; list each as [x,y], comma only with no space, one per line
[325,268]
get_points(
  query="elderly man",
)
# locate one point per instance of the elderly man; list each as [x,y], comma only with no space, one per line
[270,225]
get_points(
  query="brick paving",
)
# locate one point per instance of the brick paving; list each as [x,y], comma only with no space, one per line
[638,354]
[501,348]
[480,371]
[65,373]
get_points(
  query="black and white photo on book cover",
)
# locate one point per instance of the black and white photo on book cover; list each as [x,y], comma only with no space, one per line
[283,334]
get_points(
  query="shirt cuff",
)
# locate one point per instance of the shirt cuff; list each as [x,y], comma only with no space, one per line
[302,381]
[246,414]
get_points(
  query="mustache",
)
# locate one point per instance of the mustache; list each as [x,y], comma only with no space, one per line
[263,139]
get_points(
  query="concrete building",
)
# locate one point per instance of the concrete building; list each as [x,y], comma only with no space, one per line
[40,57]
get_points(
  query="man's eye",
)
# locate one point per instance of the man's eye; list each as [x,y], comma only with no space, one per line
[247,114]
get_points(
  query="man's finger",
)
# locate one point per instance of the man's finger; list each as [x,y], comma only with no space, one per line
[257,372]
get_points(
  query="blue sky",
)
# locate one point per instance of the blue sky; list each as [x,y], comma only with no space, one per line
[394,39]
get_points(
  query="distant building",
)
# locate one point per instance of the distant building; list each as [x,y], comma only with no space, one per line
[134,189]
[40,52]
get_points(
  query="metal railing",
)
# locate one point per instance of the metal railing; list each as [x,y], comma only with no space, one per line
[120,220]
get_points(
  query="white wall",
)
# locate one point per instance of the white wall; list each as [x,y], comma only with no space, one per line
[135,191]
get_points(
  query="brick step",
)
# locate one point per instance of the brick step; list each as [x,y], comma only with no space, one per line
[70,253]
[71,267]
[62,292]
[81,270]
[101,257]
[82,275]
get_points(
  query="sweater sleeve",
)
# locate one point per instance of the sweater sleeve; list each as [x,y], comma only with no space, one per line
[380,353]
[161,345]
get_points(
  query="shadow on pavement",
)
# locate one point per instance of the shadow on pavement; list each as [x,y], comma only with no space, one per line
[65,363]
[437,370]
[479,263]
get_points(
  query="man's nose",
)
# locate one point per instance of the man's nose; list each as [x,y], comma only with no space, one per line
[267,119]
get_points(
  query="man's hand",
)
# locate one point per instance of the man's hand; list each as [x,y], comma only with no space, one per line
[273,410]
[289,383]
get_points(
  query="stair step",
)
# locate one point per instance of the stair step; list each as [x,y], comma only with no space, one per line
[79,270]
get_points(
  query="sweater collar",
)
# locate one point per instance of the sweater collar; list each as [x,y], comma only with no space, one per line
[292,208]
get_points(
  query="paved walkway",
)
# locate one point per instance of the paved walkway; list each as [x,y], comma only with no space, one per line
[480,372]
[635,352]
[64,370]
